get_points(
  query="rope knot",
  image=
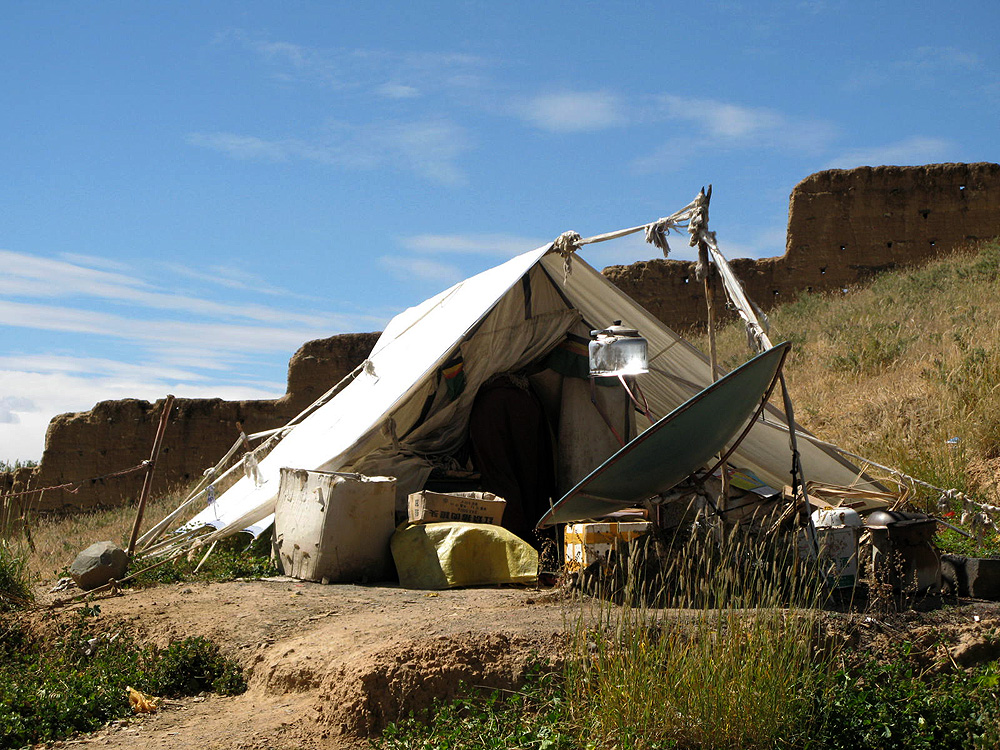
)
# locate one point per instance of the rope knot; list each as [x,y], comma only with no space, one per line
[656,234]
[566,244]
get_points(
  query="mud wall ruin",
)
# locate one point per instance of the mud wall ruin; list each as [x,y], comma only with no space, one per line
[117,435]
[843,227]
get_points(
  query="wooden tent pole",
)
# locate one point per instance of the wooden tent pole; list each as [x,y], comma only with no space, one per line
[147,481]
[701,203]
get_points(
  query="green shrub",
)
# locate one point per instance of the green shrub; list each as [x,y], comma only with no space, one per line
[889,706]
[192,666]
[75,682]
[532,718]
[233,558]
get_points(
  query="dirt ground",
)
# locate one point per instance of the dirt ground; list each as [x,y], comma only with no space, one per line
[329,666]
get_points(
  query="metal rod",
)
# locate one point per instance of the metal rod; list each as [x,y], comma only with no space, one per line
[147,482]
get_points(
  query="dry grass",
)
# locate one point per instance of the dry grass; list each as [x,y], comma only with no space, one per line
[895,369]
[51,543]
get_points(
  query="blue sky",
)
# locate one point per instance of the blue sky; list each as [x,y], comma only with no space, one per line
[189,191]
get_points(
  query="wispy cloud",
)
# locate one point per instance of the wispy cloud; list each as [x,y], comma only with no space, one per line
[36,395]
[710,125]
[737,125]
[571,111]
[909,152]
[383,73]
[232,278]
[921,67]
[501,245]
[215,335]
[32,276]
[86,366]
[90,311]
[248,147]
[430,148]
[397,91]
[411,268]
[11,405]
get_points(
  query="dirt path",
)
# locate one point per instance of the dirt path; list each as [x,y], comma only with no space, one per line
[327,665]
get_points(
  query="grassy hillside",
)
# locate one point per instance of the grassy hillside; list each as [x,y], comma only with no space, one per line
[896,369]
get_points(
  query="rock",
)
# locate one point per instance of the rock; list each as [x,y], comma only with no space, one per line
[98,564]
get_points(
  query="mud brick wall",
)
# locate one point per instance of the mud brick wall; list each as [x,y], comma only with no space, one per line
[843,227]
[117,435]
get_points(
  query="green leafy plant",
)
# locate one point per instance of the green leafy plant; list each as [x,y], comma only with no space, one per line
[532,717]
[192,666]
[889,705]
[233,558]
[75,679]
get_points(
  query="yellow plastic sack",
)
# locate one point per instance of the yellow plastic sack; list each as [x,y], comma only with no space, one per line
[445,555]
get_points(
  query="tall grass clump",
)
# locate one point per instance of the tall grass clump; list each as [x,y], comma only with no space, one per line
[15,580]
[732,663]
[897,369]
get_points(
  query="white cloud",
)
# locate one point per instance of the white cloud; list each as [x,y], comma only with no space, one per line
[58,392]
[246,147]
[939,60]
[709,125]
[32,276]
[384,73]
[422,269]
[86,366]
[912,151]
[572,111]
[922,67]
[211,335]
[429,148]
[502,245]
[723,120]
[11,405]
[233,278]
[397,91]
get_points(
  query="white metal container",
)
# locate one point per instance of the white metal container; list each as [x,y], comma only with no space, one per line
[837,531]
[334,527]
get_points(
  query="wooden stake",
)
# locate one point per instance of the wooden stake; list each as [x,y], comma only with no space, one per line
[147,482]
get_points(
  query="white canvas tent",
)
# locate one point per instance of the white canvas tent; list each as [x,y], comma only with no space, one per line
[397,411]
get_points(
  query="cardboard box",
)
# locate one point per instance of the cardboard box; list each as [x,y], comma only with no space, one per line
[470,507]
[587,543]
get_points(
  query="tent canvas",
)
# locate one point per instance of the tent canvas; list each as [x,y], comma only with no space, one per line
[402,407]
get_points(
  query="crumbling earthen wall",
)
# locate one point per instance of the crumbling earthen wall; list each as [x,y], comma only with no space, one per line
[843,227]
[117,435]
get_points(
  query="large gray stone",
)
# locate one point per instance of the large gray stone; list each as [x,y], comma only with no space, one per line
[99,564]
